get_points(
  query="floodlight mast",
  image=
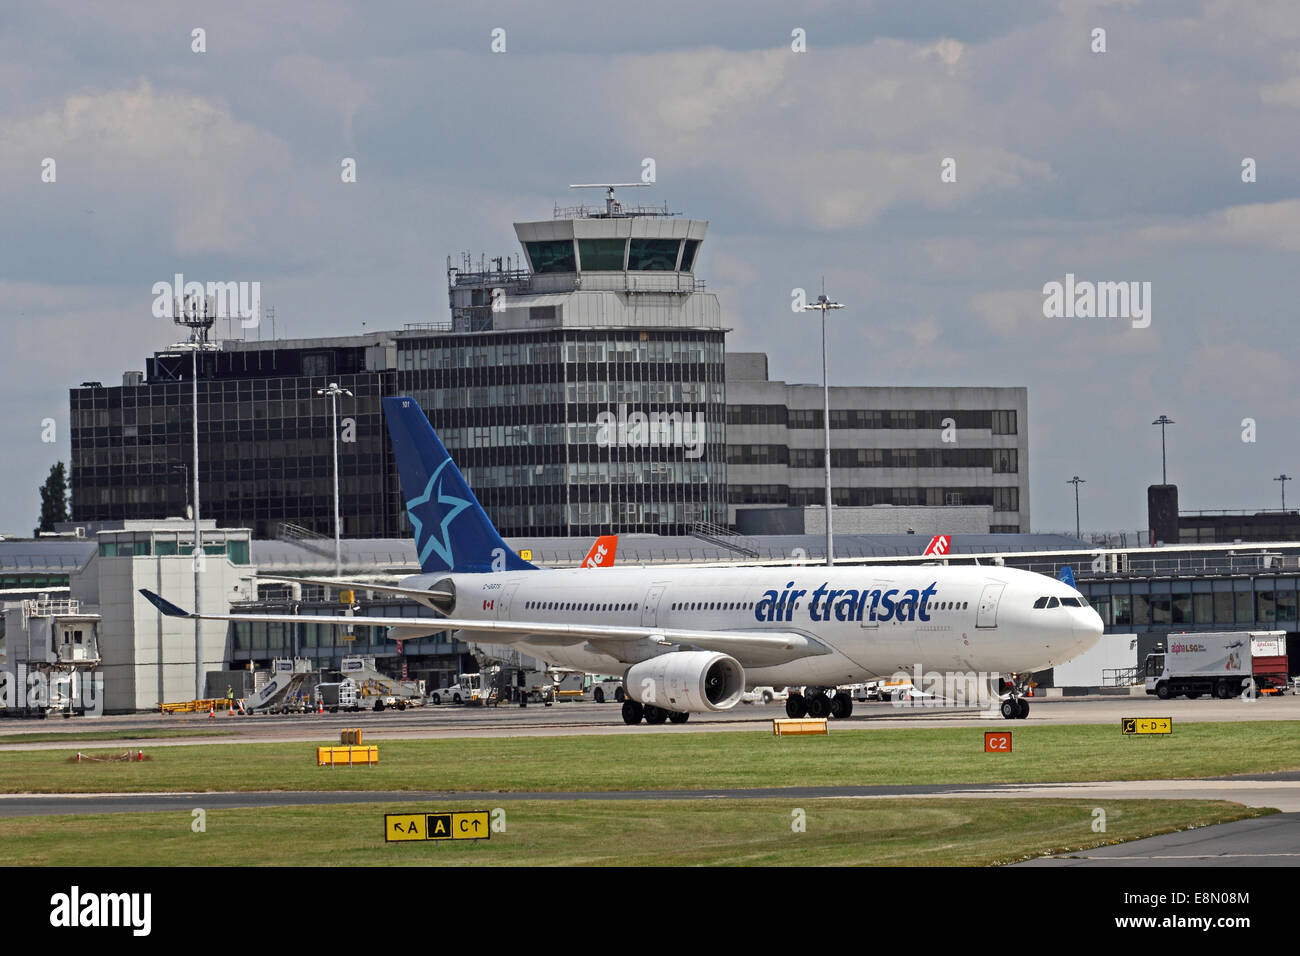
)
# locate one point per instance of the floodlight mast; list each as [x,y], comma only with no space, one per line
[194,313]
[823,305]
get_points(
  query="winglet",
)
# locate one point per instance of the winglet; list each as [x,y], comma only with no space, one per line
[163,605]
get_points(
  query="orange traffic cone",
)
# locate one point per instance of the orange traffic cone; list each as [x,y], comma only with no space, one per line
[231,712]
[320,705]
[212,711]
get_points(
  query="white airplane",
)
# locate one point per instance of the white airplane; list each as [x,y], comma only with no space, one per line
[690,640]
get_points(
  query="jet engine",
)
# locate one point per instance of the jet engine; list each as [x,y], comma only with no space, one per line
[686,681]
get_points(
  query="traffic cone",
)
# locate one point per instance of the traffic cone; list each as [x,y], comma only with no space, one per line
[212,711]
[241,708]
[320,705]
[231,712]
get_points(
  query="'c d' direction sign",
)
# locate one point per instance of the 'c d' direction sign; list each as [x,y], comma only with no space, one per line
[1146,725]
[464,825]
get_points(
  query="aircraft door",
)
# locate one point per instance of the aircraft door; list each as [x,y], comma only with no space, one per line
[503,602]
[987,615]
[879,585]
[650,606]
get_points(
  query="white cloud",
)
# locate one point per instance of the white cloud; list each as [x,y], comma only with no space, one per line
[1006,310]
[1274,225]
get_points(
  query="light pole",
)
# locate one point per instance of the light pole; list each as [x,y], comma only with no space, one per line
[823,305]
[333,391]
[1076,481]
[1162,421]
[195,315]
[1284,478]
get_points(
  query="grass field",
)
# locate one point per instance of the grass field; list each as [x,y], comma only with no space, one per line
[909,832]
[664,760]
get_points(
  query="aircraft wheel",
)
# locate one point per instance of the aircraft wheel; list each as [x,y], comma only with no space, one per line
[841,706]
[819,705]
[678,717]
[796,706]
[655,715]
[1024,708]
[632,712]
[1009,709]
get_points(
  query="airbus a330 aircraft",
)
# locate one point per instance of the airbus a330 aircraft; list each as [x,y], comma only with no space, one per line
[693,639]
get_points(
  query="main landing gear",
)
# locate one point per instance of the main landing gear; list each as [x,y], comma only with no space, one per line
[634,712]
[817,703]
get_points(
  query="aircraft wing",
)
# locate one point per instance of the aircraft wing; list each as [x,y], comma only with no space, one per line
[424,597]
[750,648]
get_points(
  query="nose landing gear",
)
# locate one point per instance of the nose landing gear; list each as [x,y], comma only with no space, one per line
[1015,707]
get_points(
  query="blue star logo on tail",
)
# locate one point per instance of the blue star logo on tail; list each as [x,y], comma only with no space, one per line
[432,506]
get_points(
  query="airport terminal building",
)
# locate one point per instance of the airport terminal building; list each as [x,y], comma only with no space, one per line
[583,390]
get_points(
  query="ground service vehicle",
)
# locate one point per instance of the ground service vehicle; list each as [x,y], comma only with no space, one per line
[605,688]
[339,696]
[468,689]
[1222,663]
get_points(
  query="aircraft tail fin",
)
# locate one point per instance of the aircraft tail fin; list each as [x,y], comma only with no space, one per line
[1066,575]
[602,552]
[452,531]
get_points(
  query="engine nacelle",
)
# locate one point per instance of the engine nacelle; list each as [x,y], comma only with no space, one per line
[687,681]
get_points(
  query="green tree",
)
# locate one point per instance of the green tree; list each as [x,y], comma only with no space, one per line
[54,498]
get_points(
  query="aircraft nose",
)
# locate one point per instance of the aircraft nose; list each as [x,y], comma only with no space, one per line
[1088,628]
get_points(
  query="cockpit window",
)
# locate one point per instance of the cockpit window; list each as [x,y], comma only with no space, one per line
[1053,602]
[1040,603]
[1071,602]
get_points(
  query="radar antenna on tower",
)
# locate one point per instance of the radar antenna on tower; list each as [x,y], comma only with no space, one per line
[612,206]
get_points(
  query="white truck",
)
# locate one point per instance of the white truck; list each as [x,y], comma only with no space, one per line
[1218,663]
[468,689]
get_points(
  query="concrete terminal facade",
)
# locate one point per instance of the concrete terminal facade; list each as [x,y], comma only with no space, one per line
[953,448]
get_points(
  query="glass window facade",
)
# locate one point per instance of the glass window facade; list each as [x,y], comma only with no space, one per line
[264,445]
[602,255]
[580,431]
[652,255]
[552,256]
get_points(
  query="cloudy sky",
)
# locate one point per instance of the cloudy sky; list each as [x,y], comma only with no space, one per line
[1123,165]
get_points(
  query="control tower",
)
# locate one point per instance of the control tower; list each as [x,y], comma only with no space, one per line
[591,267]
[582,386]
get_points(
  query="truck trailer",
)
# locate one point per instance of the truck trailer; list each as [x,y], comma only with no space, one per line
[1218,663]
